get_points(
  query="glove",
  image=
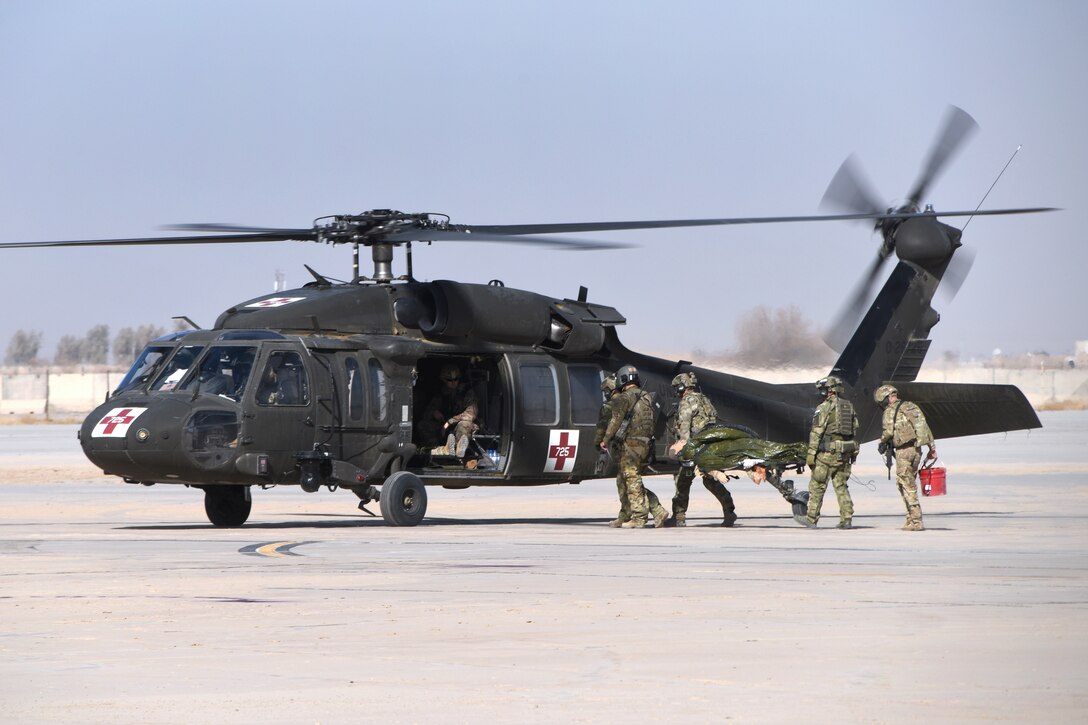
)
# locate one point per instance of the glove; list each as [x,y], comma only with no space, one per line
[810,461]
[882,448]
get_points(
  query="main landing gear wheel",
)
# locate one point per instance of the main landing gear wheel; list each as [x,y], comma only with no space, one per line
[227,506]
[403,499]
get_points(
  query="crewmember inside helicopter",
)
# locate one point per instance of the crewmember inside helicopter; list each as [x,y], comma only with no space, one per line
[450,416]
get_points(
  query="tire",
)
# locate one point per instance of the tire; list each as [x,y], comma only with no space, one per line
[403,499]
[227,506]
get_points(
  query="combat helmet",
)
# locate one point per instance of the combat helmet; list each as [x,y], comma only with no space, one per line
[627,375]
[832,383]
[608,385]
[450,372]
[882,393]
[684,381]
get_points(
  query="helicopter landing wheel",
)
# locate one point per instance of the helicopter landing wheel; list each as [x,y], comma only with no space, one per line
[403,499]
[227,506]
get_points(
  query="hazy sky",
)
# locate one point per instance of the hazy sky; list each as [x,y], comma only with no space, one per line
[120,117]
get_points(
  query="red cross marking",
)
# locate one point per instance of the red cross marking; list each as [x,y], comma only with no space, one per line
[563,451]
[112,421]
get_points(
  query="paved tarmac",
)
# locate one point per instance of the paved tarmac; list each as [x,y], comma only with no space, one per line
[121,604]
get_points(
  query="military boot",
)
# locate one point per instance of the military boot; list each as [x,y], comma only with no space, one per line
[914,519]
[680,520]
[807,522]
[660,517]
[618,522]
[446,450]
[845,524]
[729,518]
[633,524]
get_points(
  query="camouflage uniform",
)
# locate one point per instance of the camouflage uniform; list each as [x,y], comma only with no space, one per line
[636,450]
[695,413]
[451,411]
[833,425]
[905,429]
[656,509]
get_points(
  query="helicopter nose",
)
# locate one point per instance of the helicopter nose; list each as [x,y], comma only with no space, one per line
[144,440]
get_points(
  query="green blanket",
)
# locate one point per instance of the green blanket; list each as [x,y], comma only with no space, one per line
[724,447]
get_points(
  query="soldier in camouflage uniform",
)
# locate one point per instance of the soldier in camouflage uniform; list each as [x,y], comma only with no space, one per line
[632,423]
[695,412]
[831,452]
[450,416]
[906,430]
[610,389]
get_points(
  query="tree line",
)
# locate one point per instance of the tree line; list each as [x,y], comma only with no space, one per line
[93,348]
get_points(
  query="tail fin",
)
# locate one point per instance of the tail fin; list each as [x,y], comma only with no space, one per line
[890,345]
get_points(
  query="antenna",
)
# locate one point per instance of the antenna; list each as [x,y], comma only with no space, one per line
[983,200]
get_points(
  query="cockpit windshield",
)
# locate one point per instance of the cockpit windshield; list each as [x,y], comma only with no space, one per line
[224,371]
[176,368]
[145,367]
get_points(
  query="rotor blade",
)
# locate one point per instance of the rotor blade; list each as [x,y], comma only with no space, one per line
[958,125]
[216,239]
[233,228]
[583,227]
[851,190]
[472,235]
[838,334]
[956,272]
[499,233]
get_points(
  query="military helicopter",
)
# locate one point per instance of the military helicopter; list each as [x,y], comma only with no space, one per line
[326,386]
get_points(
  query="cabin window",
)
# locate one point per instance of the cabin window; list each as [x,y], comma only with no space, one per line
[585,394]
[284,380]
[378,402]
[356,399]
[539,394]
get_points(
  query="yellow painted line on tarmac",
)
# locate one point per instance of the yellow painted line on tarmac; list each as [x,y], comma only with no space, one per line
[273,549]
[276,549]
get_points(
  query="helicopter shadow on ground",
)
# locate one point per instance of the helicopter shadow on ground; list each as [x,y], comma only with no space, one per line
[343,521]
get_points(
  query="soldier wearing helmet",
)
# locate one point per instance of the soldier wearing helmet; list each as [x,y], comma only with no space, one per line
[906,431]
[631,428]
[831,451]
[694,413]
[450,416]
[610,389]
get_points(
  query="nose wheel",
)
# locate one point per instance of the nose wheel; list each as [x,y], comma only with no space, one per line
[227,506]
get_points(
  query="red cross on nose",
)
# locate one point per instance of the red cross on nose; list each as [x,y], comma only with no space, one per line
[112,421]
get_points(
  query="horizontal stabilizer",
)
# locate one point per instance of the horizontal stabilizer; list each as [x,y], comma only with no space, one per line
[966,409]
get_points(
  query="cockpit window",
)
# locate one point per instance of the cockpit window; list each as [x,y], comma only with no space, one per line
[224,371]
[284,381]
[145,367]
[176,367]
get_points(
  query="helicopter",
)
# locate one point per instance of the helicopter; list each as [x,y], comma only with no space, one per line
[326,386]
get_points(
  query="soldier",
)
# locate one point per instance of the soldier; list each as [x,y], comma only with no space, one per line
[450,416]
[905,429]
[695,413]
[831,451]
[610,389]
[632,424]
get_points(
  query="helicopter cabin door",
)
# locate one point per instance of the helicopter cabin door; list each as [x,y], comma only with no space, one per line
[363,416]
[557,410]
[281,413]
